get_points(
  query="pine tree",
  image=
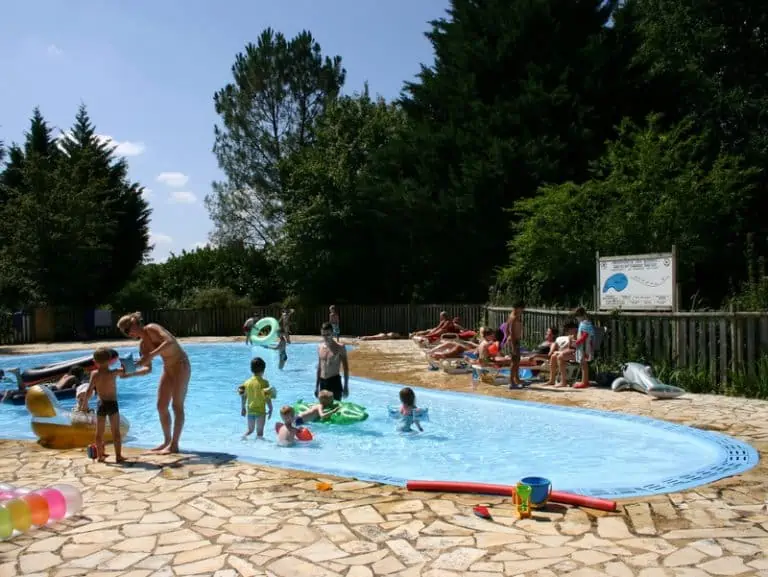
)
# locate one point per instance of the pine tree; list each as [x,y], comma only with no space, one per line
[93,166]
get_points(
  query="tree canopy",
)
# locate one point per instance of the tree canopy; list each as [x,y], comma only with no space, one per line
[542,131]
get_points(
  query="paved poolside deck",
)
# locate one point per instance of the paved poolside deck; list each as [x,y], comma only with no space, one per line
[211,515]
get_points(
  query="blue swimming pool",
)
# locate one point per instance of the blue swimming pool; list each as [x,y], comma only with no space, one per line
[469,437]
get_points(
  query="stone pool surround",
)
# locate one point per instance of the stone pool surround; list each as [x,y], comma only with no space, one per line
[212,515]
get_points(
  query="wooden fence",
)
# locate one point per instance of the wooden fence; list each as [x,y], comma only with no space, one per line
[717,342]
[69,325]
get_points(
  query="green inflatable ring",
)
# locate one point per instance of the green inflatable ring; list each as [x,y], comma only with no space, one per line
[271,337]
[347,414]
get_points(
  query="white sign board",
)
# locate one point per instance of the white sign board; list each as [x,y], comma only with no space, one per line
[636,283]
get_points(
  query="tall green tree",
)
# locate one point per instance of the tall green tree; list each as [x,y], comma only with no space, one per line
[653,188]
[510,102]
[339,223]
[92,165]
[279,87]
[51,228]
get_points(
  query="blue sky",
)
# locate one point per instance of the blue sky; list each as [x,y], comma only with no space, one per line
[148,70]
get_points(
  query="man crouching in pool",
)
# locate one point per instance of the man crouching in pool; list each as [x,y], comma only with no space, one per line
[320,411]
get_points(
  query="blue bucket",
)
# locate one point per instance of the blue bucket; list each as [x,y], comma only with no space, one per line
[540,490]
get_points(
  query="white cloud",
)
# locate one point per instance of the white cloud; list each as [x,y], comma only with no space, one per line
[125,147]
[146,193]
[122,148]
[182,197]
[159,238]
[200,245]
[54,50]
[173,179]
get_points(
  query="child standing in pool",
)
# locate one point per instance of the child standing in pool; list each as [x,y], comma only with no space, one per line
[104,382]
[408,411]
[256,399]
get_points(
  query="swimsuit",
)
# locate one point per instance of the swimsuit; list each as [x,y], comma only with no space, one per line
[336,331]
[255,400]
[332,384]
[283,355]
[106,408]
[585,350]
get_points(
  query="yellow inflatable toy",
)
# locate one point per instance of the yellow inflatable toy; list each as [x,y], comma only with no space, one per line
[60,429]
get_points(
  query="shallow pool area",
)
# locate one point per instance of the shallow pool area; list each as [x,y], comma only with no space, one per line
[468,437]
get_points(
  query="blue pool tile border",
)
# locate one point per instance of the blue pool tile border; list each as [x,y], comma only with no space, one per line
[737,457]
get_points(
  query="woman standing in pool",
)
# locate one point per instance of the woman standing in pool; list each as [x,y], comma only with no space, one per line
[155,341]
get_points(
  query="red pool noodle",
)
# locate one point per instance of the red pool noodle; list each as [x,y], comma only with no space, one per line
[507,491]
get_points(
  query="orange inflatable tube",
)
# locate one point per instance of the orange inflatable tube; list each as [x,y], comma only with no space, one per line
[507,491]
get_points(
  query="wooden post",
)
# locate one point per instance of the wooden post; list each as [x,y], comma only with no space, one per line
[597,282]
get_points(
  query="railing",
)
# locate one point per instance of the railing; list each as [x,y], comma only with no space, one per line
[17,328]
[718,342]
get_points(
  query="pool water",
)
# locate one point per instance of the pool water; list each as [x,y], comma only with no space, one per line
[468,437]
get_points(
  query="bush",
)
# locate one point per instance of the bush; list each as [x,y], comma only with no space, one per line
[217,298]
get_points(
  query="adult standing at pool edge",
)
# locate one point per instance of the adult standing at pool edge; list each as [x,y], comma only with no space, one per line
[155,341]
[331,360]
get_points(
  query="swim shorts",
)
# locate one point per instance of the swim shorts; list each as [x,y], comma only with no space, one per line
[107,408]
[336,331]
[283,356]
[334,385]
[515,352]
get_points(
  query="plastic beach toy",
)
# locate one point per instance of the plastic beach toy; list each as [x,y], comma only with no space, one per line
[22,509]
[523,501]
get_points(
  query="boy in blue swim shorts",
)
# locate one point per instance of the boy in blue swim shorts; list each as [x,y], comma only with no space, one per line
[256,399]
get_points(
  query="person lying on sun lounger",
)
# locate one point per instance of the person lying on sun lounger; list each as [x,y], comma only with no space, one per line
[452,350]
[381,337]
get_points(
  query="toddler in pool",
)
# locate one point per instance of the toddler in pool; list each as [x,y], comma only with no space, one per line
[286,435]
[408,410]
[324,408]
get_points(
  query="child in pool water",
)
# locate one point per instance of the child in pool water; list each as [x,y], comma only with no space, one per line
[286,435]
[408,411]
[256,401]
[282,344]
[325,408]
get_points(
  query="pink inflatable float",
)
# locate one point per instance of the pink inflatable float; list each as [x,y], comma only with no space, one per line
[22,509]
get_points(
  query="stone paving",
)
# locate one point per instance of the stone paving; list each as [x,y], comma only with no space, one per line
[195,515]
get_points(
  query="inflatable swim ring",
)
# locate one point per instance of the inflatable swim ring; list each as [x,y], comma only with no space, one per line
[270,337]
[347,414]
[302,434]
[60,429]
[420,413]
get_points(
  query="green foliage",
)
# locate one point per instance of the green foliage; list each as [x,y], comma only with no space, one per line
[217,298]
[73,228]
[233,273]
[748,381]
[335,220]
[652,189]
[278,90]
